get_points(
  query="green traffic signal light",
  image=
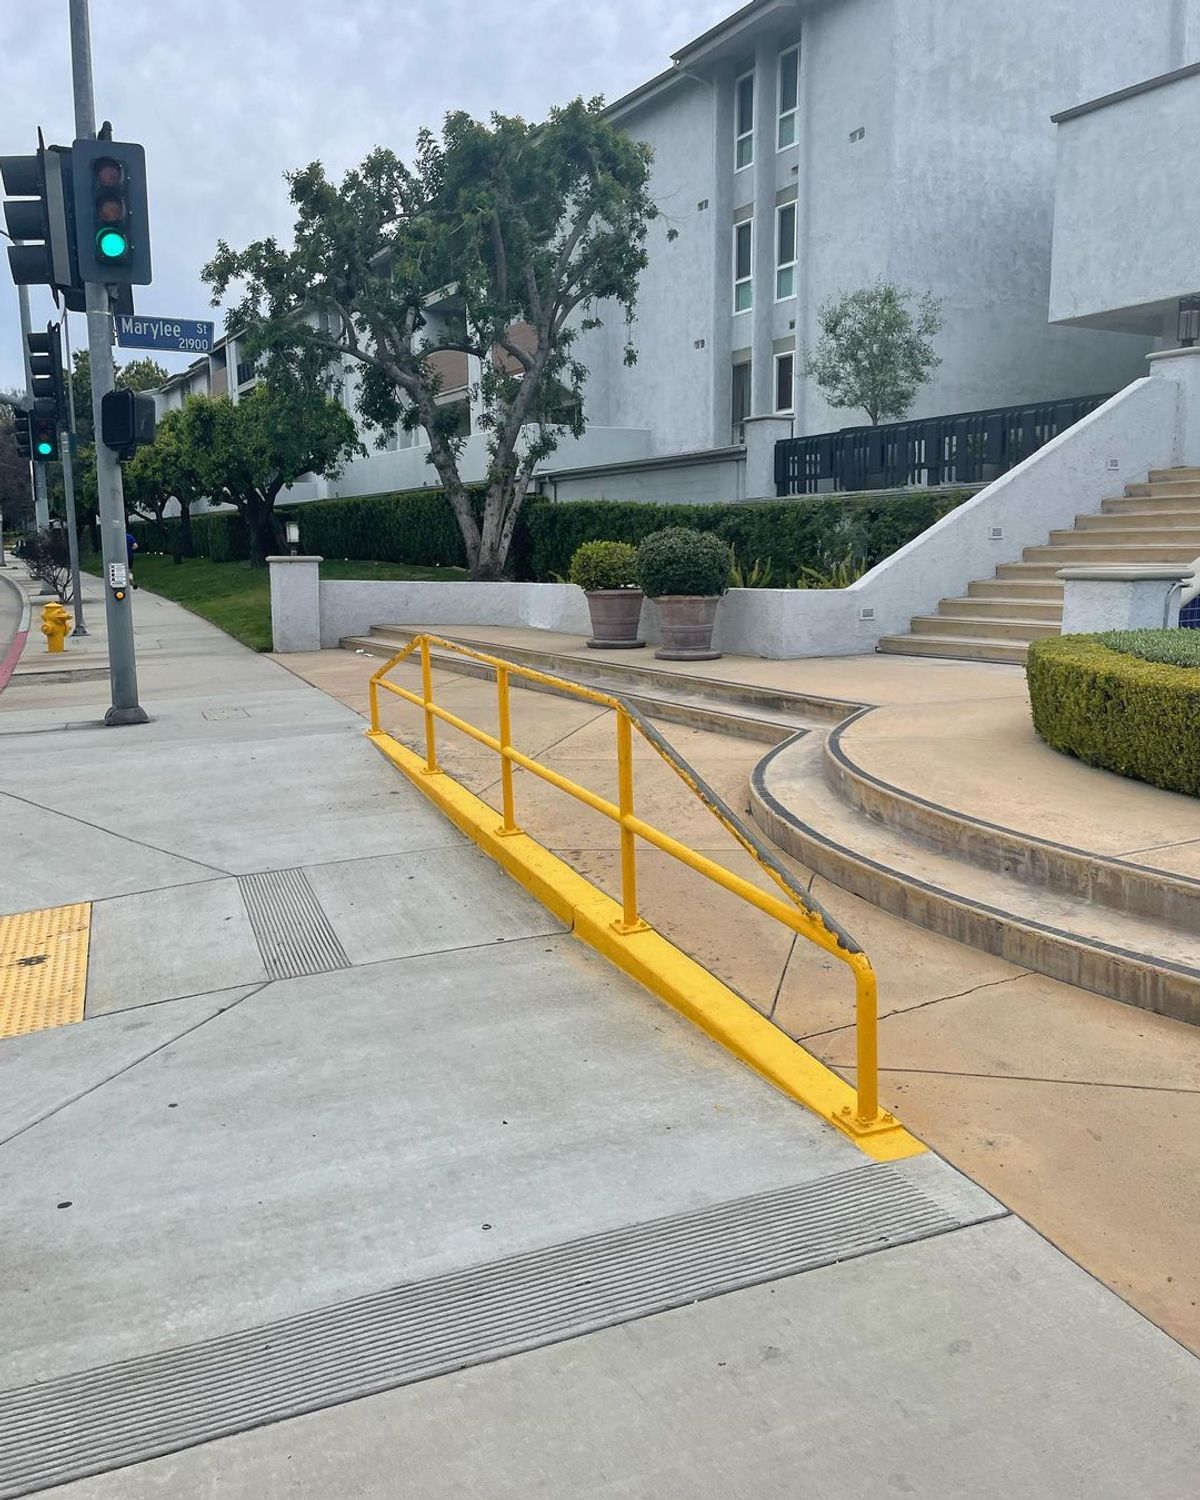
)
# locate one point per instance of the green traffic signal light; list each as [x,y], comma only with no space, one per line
[111,244]
[45,448]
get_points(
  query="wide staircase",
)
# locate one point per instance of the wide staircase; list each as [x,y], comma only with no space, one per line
[1155,522]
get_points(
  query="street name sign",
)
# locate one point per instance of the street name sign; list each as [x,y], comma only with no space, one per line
[185,335]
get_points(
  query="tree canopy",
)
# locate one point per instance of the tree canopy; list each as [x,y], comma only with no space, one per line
[873,352]
[246,454]
[500,243]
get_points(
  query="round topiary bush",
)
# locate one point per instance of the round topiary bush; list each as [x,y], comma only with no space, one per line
[604,565]
[1136,717]
[681,561]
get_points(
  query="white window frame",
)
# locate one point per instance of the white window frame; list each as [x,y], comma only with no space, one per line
[743,135]
[748,279]
[738,427]
[781,265]
[791,114]
[789,409]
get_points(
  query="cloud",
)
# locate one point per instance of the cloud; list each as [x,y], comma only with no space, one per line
[227,95]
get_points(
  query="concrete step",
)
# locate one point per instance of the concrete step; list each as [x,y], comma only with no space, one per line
[1164,490]
[1021,587]
[962,647]
[1131,958]
[723,706]
[985,627]
[1187,505]
[1043,572]
[1009,606]
[1064,554]
[1152,520]
[1180,538]
[1179,475]
[1121,884]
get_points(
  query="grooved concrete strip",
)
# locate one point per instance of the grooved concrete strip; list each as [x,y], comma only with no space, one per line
[134,1410]
[43,967]
[294,934]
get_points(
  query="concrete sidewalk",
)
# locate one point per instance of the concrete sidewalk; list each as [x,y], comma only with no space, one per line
[348,1111]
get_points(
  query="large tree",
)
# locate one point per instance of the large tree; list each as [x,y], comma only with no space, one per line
[16,496]
[874,352]
[247,454]
[501,242]
[144,374]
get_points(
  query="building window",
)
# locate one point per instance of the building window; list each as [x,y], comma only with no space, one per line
[743,267]
[789,96]
[741,400]
[785,251]
[743,121]
[785,382]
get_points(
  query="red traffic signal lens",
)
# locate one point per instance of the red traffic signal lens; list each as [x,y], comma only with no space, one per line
[110,210]
[109,173]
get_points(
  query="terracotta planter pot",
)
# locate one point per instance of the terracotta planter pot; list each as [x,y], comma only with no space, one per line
[615,615]
[687,622]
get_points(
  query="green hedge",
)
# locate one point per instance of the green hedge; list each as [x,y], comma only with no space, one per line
[1135,717]
[220,535]
[418,527]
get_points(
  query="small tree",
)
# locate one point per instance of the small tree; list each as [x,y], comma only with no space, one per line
[873,352]
[246,454]
[16,499]
[163,471]
[500,243]
[46,555]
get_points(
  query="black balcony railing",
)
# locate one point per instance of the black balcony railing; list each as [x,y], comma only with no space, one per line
[970,447]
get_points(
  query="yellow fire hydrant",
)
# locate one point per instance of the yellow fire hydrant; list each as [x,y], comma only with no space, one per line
[55,623]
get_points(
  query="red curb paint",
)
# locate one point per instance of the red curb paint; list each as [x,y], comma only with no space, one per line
[11,657]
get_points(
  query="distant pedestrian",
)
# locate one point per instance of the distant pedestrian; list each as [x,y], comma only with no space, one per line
[131,547]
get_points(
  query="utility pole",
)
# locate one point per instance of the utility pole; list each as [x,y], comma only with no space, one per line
[41,502]
[122,664]
[68,464]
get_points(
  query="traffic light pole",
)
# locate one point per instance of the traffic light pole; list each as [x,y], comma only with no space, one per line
[118,613]
[68,464]
[41,502]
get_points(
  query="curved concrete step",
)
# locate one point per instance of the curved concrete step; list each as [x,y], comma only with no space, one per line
[962,647]
[988,626]
[1003,607]
[1122,885]
[1148,519]
[1130,958]
[724,706]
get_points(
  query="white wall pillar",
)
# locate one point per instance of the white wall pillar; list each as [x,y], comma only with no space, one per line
[762,433]
[1121,598]
[295,603]
[1182,366]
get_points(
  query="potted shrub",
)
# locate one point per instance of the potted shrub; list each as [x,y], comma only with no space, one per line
[605,572]
[685,572]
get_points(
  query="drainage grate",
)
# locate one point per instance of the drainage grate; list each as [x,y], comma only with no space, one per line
[128,1412]
[293,933]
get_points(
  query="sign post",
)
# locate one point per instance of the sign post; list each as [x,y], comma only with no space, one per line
[181,335]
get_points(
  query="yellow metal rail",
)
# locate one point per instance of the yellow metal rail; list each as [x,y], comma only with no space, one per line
[799,911]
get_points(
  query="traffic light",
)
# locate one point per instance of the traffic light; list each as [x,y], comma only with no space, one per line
[22,435]
[127,421]
[39,215]
[112,216]
[49,394]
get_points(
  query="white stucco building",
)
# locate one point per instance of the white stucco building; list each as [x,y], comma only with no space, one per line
[803,148]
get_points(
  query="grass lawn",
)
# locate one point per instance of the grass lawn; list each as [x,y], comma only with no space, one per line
[238,599]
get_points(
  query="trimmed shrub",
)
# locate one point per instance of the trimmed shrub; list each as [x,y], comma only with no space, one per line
[415,526]
[1128,715]
[682,561]
[604,565]
[1176,648]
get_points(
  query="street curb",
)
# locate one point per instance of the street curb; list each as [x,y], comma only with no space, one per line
[16,646]
[650,959]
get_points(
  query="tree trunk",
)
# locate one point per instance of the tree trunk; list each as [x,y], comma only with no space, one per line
[259,515]
[187,546]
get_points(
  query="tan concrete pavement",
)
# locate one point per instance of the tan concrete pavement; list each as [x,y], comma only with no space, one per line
[1080,1113]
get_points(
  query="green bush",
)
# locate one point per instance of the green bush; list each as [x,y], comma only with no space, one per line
[1136,717]
[682,561]
[604,565]
[1176,648]
[415,527]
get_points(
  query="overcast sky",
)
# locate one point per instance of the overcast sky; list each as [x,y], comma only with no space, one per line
[226,95]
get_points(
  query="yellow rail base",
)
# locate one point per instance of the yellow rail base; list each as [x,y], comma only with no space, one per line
[656,964]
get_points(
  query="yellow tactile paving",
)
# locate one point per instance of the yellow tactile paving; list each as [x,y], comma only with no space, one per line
[43,967]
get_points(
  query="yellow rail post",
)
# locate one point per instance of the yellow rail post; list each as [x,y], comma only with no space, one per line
[374,696]
[866,1037]
[431,765]
[509,825]
[630,920]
